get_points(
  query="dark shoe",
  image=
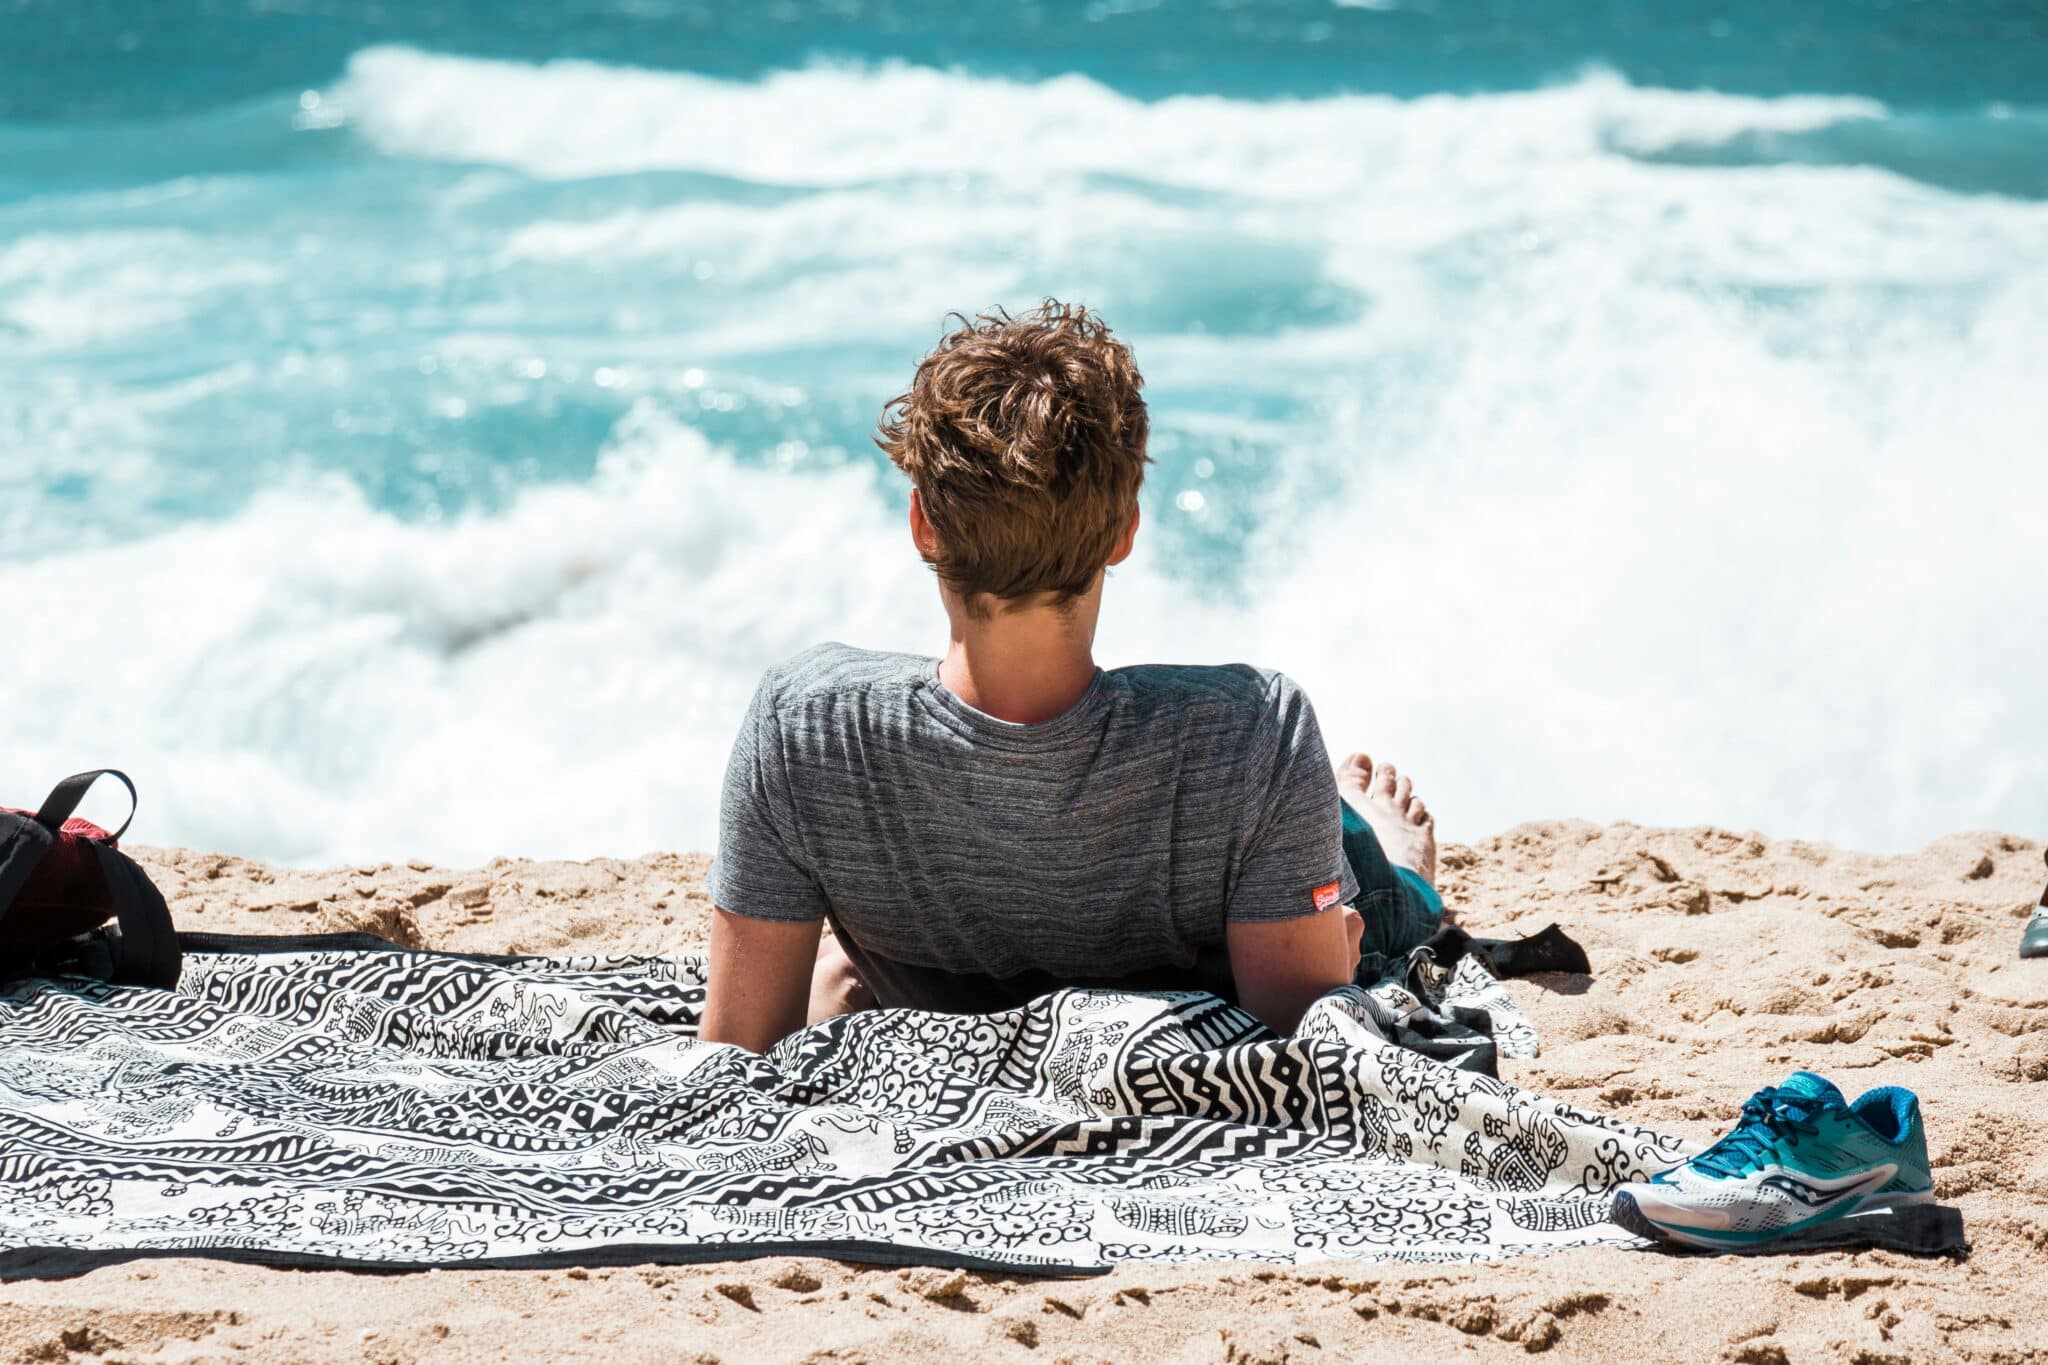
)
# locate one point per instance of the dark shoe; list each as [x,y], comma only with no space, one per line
[2034,938]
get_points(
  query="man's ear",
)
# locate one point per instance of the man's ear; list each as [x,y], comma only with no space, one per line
[1125,541]
[921,533]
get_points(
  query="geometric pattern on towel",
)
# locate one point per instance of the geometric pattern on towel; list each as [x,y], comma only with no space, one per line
[317,1105]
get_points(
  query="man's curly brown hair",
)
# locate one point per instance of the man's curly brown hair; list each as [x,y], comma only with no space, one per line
[1025,439]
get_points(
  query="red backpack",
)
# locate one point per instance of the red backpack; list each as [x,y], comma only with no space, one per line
[62,880]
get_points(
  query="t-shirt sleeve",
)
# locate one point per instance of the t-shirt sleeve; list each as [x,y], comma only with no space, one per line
[760,870]
[1293,861]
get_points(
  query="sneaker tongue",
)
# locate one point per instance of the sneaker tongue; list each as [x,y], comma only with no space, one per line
[1819,1089]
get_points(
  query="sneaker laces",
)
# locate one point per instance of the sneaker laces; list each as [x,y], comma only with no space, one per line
[1767,1115]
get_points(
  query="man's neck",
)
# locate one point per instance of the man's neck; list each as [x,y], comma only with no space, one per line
[1023,666]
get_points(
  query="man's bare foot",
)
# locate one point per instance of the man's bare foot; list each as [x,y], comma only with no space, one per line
[1387,800]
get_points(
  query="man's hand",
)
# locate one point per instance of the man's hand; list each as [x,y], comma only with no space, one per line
[760,984]
[1282,966]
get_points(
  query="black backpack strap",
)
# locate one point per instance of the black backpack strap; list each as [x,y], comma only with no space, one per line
[149,953]
[65,796]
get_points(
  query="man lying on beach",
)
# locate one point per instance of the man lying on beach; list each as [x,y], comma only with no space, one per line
[1009,818]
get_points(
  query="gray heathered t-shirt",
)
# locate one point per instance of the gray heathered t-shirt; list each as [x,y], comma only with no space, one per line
[1114,840]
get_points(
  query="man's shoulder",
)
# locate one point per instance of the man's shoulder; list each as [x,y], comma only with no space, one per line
[1241,688]
[833,670]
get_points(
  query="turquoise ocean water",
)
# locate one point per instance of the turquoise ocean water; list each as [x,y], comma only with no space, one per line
[421,423]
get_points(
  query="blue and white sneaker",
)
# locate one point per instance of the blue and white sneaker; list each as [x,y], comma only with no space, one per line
[2034,938]
[1800,1157]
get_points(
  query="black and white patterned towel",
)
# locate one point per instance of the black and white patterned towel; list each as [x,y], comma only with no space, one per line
[320,1105]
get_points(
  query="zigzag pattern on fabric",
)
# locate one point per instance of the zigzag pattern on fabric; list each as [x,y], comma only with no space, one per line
[399,1108]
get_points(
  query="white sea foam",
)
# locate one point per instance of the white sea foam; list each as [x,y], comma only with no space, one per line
[320,681]
[831,125]
[79,289]
[1669,608]
[1619,489]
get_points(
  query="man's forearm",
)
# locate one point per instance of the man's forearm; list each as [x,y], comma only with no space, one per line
[1284,967]
[760,980]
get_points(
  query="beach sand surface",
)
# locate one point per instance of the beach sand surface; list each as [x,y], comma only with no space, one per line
[1721,962]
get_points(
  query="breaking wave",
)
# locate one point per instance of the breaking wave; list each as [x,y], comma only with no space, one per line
[1593,450]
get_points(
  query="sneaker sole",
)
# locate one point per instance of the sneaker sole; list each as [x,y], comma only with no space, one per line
[1627,1214]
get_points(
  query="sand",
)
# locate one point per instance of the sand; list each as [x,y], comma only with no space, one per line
[1721,961]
